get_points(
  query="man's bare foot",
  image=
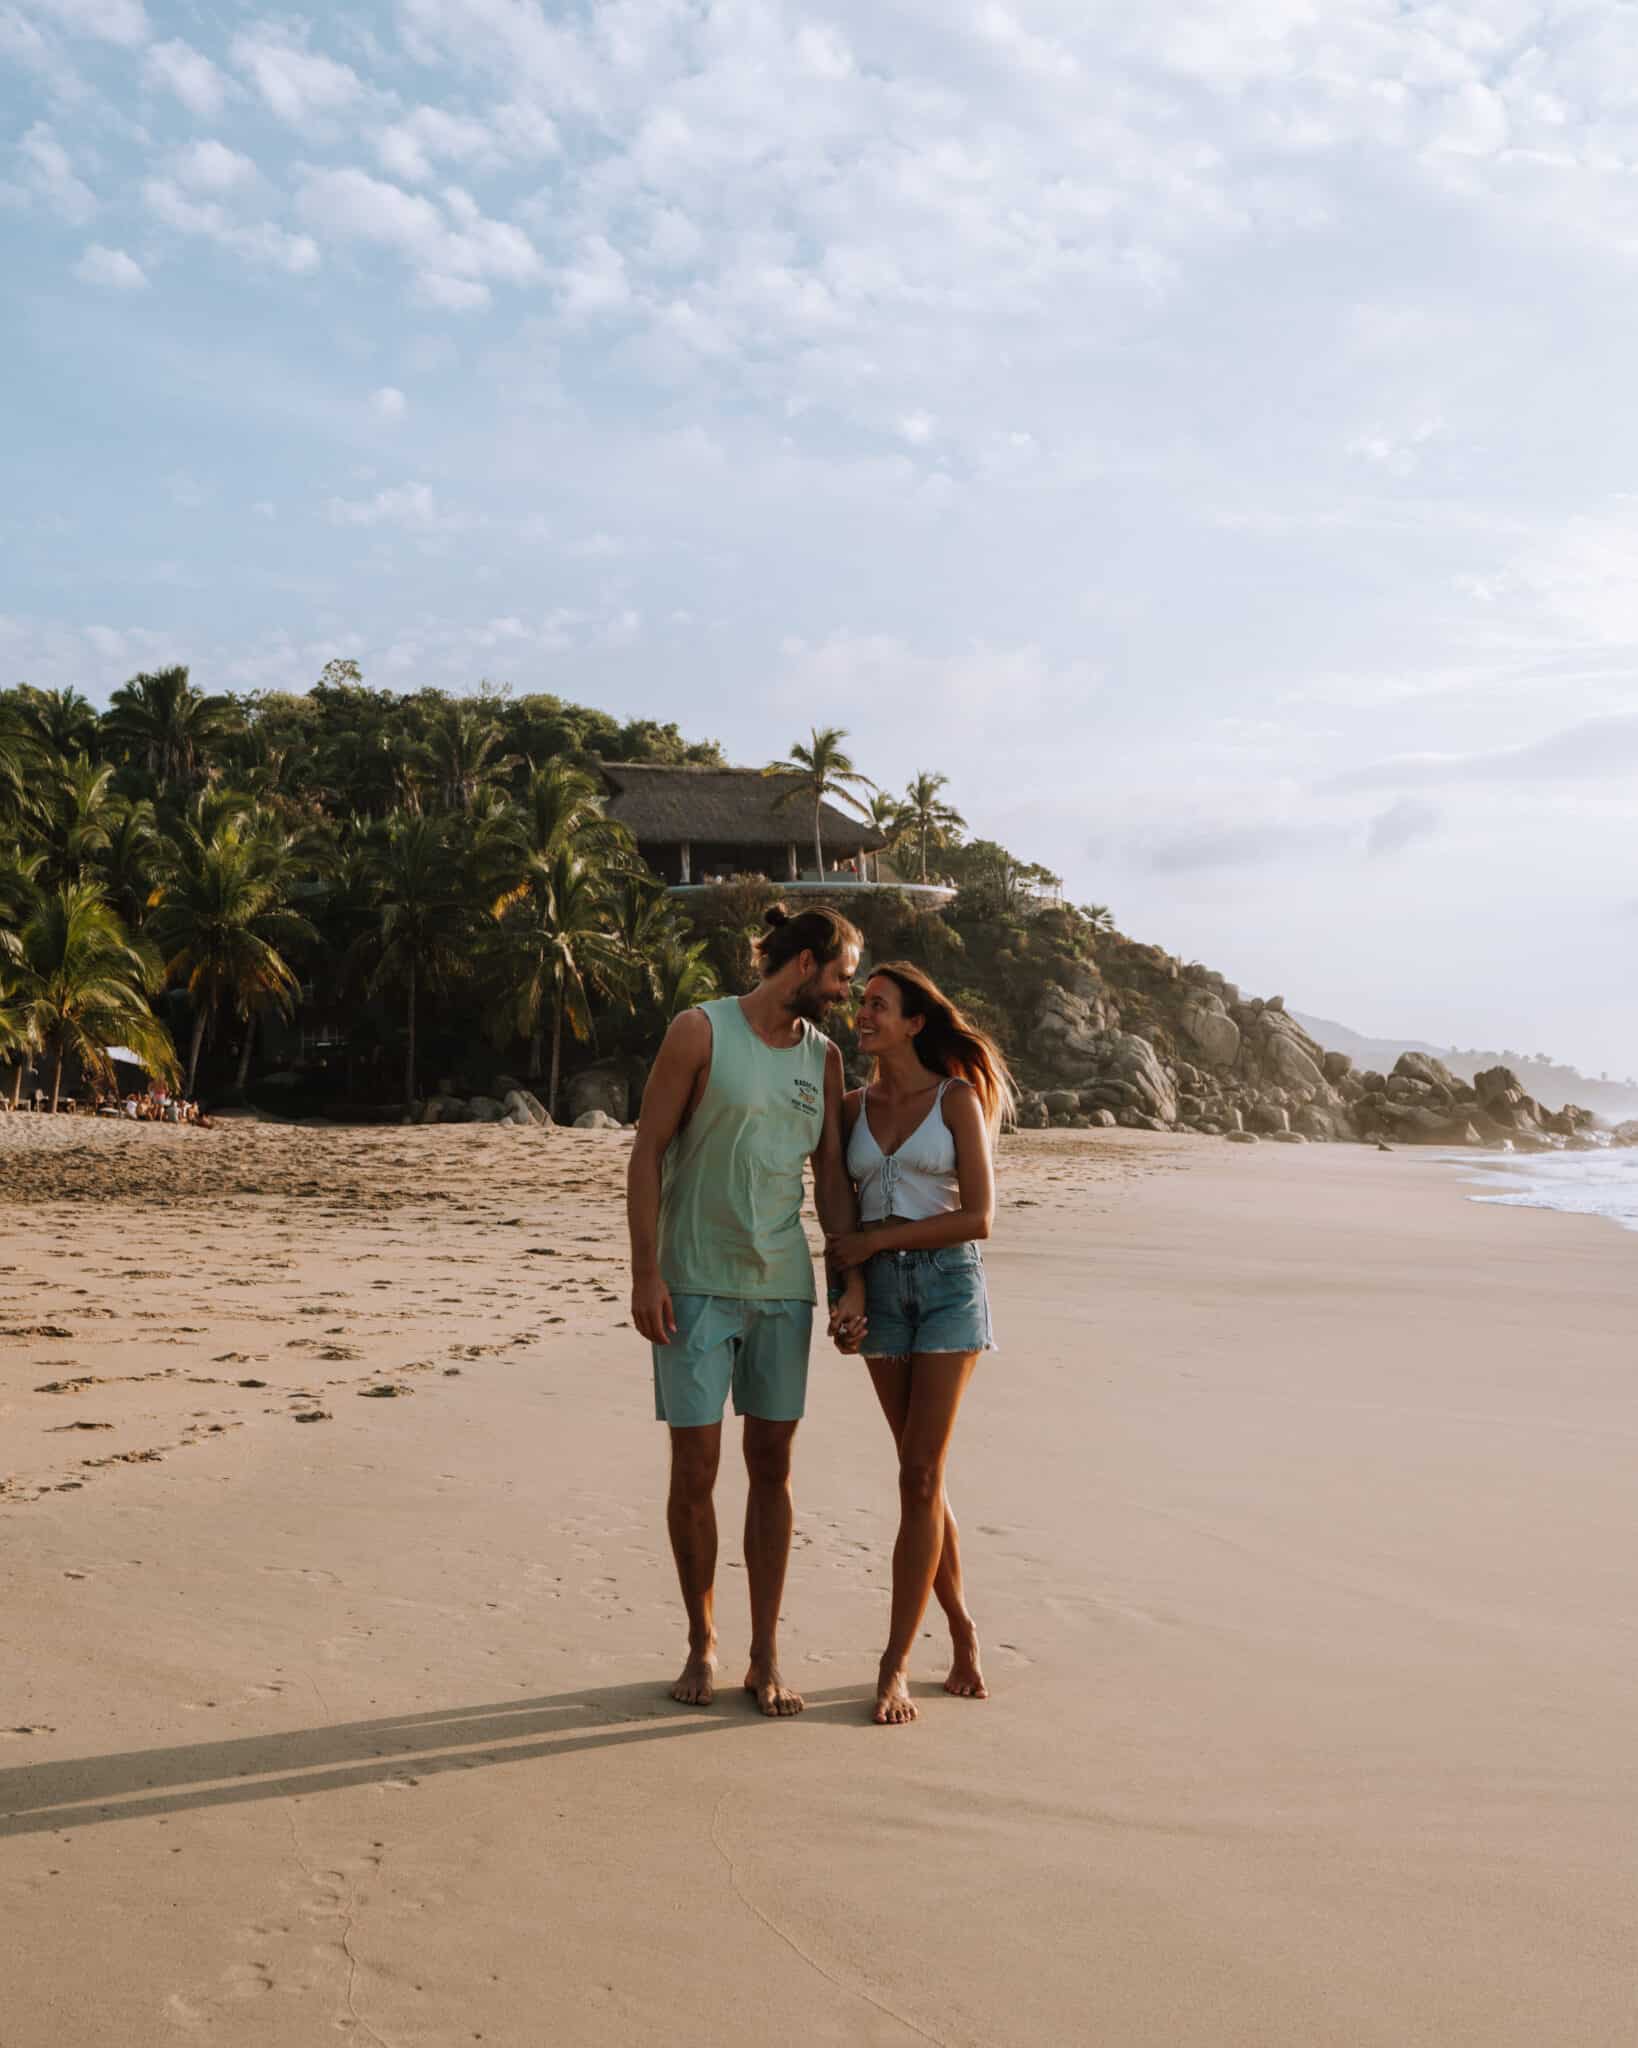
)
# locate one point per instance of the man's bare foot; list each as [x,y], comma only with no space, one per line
[773,1695]
[966,1679]
[697,1687]
[894,1707]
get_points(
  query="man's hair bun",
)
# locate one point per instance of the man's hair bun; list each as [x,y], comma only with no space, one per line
[775,915]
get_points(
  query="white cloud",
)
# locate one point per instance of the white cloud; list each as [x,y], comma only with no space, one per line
[296,84]
[121,22]
[453,247]
[389,403]
[210,166]
[413,148]
[411,506]
[111,268]
[48,173]
[451,294]
[917,428]
[193,78]
[261,242]
[595,282]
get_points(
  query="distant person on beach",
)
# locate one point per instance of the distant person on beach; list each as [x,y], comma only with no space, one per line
[919,1150]
[744,1092]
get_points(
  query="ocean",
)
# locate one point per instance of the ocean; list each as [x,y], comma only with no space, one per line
[1580,1183]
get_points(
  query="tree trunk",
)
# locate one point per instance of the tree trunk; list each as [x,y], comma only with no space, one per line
[244,1049]
[409,1049]
[56,1077]
[537,1051]
[557,1057]
[924,853]
[17,1073]
[818,844]
[193,1052]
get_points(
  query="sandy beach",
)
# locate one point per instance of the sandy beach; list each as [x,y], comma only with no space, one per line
[338,1616]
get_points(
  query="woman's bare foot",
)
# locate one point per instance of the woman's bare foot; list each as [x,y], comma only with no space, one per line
[894,1707]
[697,1687]
[966,1680]
[773,1695]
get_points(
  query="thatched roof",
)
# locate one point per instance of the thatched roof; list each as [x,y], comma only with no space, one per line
[661,806]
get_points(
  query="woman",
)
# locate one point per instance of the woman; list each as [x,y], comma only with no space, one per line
[919,1140]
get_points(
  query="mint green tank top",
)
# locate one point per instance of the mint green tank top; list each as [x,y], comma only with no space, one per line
[732,1182]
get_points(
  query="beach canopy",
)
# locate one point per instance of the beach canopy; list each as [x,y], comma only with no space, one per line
[124,1052]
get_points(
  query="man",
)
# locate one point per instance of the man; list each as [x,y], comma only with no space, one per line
[744,1092]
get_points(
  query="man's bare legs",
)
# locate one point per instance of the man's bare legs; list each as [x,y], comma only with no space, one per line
[767,1553]
[920,1398]
[691,1517]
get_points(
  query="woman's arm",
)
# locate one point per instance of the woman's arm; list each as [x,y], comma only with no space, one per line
[975,1179]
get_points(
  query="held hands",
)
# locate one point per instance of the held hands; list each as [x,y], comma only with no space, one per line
[848,1321]
[651,1310]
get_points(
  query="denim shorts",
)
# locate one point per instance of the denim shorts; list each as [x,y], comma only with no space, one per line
[927,1301]
[757,1349]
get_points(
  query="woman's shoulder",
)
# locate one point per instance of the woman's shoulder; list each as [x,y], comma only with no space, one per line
[852,1103]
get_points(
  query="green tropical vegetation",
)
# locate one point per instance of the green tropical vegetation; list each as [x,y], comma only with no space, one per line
[337,898]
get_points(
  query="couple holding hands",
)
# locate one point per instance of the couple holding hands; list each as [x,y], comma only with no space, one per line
[744,1092]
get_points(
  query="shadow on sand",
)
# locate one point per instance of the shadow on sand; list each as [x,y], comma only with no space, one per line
[143,1783]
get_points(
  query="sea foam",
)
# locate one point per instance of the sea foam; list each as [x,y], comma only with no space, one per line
[1579,1183]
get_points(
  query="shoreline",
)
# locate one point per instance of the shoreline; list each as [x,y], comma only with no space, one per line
[1295,1508]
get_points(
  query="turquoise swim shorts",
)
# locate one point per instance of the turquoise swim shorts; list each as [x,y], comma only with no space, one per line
[756,1349]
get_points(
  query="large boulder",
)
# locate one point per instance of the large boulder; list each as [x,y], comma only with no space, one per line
[1337,1066]
[484,1109]
[1135,1061]
[523,1107]
[604,1087]
[1209,1027]
[1422,1066]
[596,1120]
[1278,1051]
[1070,1025]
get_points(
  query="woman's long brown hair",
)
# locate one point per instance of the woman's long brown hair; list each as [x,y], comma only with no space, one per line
[950,1044]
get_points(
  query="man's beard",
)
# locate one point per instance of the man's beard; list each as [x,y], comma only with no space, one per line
[807,1002]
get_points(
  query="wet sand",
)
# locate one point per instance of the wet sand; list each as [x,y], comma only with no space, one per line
[1298,1516]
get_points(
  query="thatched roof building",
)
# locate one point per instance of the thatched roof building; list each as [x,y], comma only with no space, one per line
[692,824]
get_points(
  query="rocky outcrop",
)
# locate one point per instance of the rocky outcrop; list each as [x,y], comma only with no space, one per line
[605,1087]
[1211,1031]
[1070,1023]
[596,1120]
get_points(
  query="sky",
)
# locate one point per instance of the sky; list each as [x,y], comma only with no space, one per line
[1202,430]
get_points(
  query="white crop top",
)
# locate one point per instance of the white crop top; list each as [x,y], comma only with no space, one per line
[917,1180]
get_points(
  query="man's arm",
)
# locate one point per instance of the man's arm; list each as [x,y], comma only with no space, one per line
[683,1057]
[833,1194]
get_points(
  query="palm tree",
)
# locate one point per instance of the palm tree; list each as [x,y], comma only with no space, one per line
[422,918]
[555,946]
[821,770]
[1099,916]
[887,814]
[128,857]
[170,723]
[85,984]
[18,1035]
[62,721]
[220,921]
[461,750]
[683,977]
[79,821]
[19,762]
[927,818]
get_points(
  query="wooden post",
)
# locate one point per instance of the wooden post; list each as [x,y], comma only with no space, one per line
[686,852]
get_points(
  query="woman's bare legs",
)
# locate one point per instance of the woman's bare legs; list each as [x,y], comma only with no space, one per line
[921,1397]
[891,1379]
